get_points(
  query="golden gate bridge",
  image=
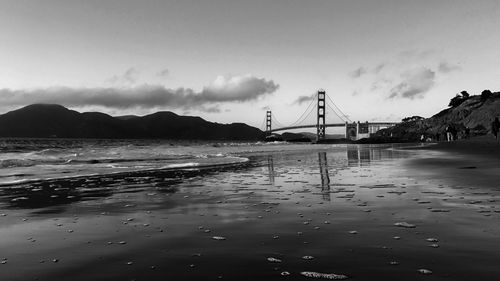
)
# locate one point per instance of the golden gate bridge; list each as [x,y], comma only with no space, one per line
[319,104]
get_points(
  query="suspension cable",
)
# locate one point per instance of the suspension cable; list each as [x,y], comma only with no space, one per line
[310,111]
[309,114]
[343,120]
[343,114]
[307,109]
[275,120]
[263,125]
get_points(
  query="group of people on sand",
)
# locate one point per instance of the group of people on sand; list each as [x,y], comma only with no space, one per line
[451,132]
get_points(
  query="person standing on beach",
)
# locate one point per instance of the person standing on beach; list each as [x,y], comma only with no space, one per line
[495,126]
[436,136]
[467,132]
[449,133]
[454,132]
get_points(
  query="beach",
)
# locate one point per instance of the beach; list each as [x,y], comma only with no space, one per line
[356,212]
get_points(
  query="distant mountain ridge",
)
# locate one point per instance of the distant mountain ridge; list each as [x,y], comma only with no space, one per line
[302,136]
[52,120]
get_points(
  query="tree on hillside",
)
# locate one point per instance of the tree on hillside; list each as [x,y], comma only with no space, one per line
[412,118]
[459,99]
[486,94]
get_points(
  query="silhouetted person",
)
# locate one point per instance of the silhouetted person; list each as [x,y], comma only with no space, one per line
[449,133]
[454,132]
[437,136]
[467,132]
[495,126]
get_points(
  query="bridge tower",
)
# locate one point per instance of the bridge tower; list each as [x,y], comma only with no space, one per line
[320,125]
[268,122]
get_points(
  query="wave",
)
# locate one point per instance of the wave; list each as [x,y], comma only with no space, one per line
[106,170]
[181,165]
[12,163]
[9,163]
[48,151]
[125,160]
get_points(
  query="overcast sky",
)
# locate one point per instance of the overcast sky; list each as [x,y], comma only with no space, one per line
[229,60]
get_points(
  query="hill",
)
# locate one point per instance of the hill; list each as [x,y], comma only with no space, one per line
[50,120]
[474,113]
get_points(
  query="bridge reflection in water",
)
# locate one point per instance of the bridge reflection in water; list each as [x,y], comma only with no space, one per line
[355,156]
[325,178]
[323,171]
[270,169]
[362,155]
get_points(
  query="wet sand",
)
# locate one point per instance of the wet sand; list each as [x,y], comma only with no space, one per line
[484,146]
[366,213]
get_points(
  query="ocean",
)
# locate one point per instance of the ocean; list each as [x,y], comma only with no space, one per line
[32,160]
[37,160]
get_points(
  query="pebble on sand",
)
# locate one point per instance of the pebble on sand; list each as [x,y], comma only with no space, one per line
[405,224]
[330,276]
[424,271]
[219,238]
[271,259]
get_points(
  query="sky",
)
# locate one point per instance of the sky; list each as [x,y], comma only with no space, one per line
[231,60]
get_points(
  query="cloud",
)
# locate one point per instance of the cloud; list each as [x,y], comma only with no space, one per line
[388,118]
[417,54]
[416,83]
[381,83]
[163,73]
[211,109]
[378,68]
[410,74]
[445,67]
[130,76]
[237,88]
[302,99]
[222,90]
[358,72]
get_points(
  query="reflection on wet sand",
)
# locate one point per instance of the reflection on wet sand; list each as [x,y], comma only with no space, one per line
[325,178]
[52,196]
[362,155]
[323,172]
[270,169]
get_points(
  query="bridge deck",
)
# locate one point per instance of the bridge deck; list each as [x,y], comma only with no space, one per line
[388,124]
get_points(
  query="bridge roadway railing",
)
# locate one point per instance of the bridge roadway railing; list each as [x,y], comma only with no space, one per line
[388,124]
